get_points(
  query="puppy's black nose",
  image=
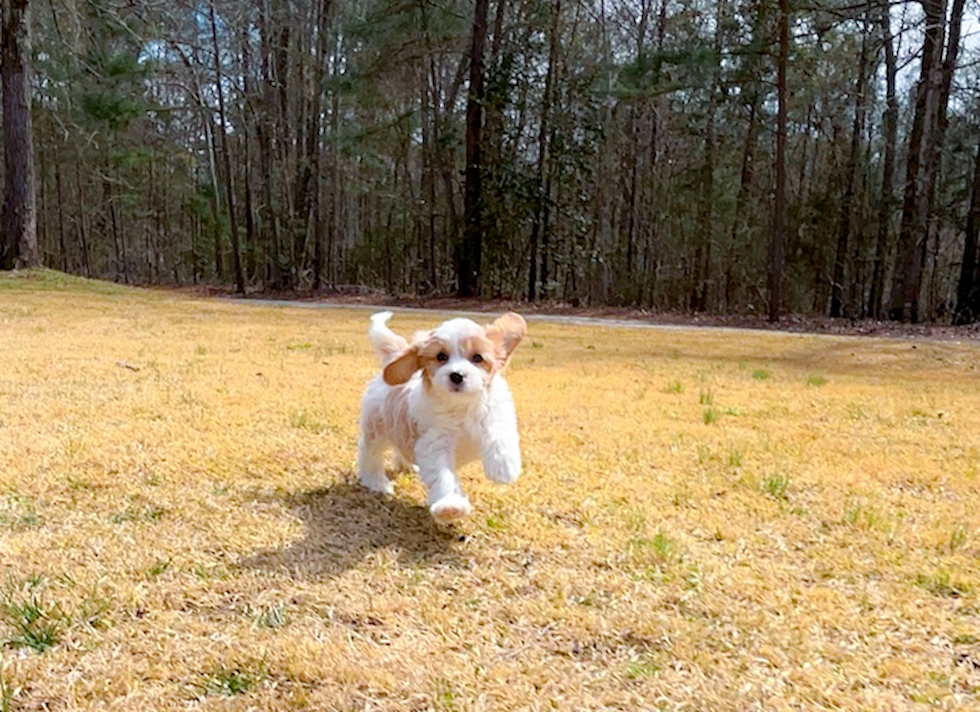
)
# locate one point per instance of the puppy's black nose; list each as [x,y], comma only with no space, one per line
[456,378]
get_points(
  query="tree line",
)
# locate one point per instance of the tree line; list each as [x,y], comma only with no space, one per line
[816,156]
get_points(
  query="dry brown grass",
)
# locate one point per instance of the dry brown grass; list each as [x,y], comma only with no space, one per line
[708,520]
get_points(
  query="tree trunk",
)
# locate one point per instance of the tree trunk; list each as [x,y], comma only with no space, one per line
[542,185]
[887,203]
[840,274]
[314,148]
[968,288]
[741,224]
[19,246]
[270,221]
[429,108]
[904,302]
[634,277]
[942,121]
[251,243]
[82,239]
[219,267]
[447,161]
[108,225]
[250,248]
[333,222]
[431,253]
[471,247]
[425,207]
[777,244]
[702,255]
[236,256]
[66,264]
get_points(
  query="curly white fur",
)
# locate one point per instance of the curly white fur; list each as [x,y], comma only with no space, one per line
[441,401]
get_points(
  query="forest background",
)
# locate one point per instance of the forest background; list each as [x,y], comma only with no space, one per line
[764,156]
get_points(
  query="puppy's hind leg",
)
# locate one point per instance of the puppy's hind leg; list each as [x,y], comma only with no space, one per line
[371,464]
[403,464]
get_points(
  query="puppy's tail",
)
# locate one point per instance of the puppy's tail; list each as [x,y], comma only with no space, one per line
[387,344]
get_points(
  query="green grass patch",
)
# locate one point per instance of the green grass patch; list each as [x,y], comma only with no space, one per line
[644,667]
[141,514]
[496,521]
[32,620]
[303,420]
[958,537]
[49,280]
[274,616]
[942,583]
[6,693]
[17,513]
[159,567]
[860,515]
[236,679]
[659,548]
[775,485]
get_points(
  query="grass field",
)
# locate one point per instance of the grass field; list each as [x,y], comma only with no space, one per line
[708,520]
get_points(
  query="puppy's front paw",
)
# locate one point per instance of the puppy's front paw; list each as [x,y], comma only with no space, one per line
[450,508]
[377,482]
[502,467]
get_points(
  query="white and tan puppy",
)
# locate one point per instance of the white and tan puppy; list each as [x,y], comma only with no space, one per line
[440,402]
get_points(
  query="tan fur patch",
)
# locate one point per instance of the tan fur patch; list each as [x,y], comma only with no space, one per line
[486,349]
[429,359]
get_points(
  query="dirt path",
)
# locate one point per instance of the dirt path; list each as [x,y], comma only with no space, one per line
[625,317]
[628,323]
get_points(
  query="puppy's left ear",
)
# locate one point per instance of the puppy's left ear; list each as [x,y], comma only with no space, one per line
[506,333]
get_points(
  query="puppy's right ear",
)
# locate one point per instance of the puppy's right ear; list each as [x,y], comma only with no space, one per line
[402,368]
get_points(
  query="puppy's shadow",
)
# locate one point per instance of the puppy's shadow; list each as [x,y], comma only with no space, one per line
[345,523]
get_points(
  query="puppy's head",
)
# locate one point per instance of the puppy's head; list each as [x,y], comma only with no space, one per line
[459,357]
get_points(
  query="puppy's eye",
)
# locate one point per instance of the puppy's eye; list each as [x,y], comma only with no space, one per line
[442,357]
[477,358]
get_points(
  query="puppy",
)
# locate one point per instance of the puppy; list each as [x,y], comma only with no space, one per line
[440,402]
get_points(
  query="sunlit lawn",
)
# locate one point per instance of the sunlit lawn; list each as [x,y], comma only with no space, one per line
[708,520]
